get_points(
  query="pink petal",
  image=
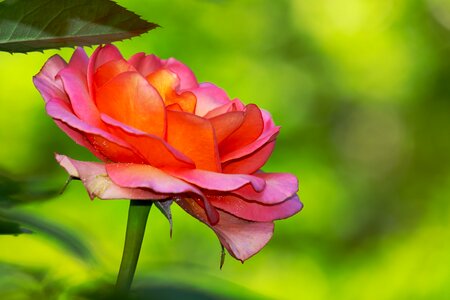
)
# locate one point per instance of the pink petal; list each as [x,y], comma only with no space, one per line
[105,143]
[80,139]
[101,55]
[217,181]
[186,76]
[209,97]
[145,64]
[153,148]
[79,60]
[75,85]
[250,163]
[45,81]
[241,238]
[146,176]
[232,106]
[279,187]
[98,184]
[254,211]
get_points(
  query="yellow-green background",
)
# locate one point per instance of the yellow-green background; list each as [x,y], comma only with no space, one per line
[361,89]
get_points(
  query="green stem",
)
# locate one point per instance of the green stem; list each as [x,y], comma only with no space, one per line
[137,220]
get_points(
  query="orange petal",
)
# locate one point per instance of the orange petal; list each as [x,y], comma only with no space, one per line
[155,150]
[163,81]
[166,83]
[129,99]
[194,137]
[250,163]
[174,107]
[226,124]
[249,131]
[110,70]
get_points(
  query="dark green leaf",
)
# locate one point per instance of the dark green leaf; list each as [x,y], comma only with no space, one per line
[35,25]
[164,207]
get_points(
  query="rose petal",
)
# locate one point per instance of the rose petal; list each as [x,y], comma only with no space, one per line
[217,181]
[146,176]
[167,84]
[145,64]
[101,55]
[80,139]
[98,184]
[267,136]
[186,76]
[250,163]
[79,60]
[193,136]
[105,143]
[75,85]
[45,81]
[241,238]
[129,99]
[279,187]
[209,97]
[109,70]
[225,124]
[248,132]
[254,211]
[155,150]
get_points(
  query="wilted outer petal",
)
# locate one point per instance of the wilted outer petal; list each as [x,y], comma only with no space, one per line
[146,176]
[241,238]
[98,184]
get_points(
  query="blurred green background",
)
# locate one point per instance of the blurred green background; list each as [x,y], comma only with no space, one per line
[361,90]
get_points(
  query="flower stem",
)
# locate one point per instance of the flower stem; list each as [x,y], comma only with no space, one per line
[137,220]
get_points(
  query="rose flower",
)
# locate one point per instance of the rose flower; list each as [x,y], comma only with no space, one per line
[160,135]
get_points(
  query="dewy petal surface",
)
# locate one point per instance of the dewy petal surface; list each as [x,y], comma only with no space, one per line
[98,184]
[241,238]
